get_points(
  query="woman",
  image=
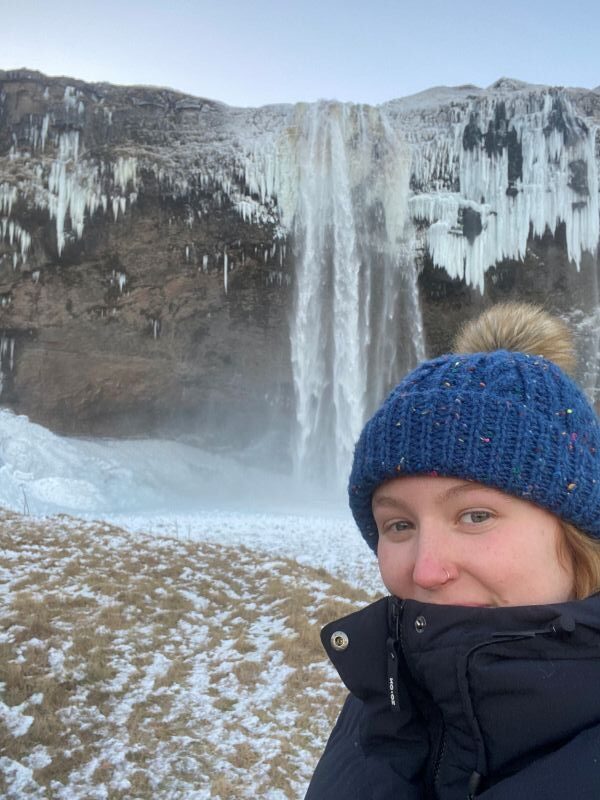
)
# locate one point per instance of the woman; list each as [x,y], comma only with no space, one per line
[477,483]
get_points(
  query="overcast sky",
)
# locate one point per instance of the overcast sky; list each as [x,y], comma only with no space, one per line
[268,51]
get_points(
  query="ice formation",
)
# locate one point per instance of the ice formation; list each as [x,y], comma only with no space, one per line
[7,357]
[69,187]
[120,279]
[504,167]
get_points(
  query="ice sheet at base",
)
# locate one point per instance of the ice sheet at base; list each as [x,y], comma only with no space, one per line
[47,473]
[173,489]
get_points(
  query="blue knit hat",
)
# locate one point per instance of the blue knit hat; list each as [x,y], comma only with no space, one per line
[504,419]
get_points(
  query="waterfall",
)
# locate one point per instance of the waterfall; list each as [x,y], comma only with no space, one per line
[460,178]
[356,325]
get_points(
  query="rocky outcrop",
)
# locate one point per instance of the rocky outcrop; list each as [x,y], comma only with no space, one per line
[167,309]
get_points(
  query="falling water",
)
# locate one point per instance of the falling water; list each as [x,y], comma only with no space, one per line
[356,326]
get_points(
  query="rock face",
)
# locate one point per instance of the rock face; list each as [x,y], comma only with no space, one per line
[128,325]
[170,264]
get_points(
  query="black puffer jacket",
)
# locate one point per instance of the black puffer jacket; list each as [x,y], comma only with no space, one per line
[450,703]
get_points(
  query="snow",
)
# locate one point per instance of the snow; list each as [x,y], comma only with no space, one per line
[19,779]
[14,719]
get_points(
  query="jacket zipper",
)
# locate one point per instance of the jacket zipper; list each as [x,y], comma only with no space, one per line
[440,750]
[394,651]
[392,644]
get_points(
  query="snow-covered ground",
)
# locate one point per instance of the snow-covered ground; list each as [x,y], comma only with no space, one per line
[139,666]
[174,489]
[186,638]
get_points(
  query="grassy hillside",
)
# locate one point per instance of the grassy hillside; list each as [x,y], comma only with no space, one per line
[133,666]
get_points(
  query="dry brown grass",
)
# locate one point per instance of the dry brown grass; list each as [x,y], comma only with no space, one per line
[144,664]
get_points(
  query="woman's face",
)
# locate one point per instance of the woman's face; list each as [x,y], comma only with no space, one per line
[456,542]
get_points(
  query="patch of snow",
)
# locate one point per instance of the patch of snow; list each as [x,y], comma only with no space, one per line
[38,758]
[56,662]
[19,780]
[14,719]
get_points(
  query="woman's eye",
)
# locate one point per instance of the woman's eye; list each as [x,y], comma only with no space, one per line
[397,526]
[476,517]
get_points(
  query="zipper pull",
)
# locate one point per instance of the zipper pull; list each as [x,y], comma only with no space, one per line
[564,624]
[393,671]
[474,782]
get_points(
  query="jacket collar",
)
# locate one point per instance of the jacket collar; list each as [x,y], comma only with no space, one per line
[483,669]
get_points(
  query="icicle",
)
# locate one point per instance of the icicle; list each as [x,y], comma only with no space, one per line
[124,173]
[8,195]
[7,351]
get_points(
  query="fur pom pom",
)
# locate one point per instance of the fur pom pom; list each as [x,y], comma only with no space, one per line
[521,327]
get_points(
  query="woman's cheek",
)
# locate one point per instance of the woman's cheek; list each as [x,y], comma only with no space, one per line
[391,565]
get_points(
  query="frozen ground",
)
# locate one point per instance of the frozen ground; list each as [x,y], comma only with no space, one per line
[173,489]
[161,641]
[140,666]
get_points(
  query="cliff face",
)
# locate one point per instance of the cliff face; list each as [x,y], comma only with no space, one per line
[132,297]
[170,263]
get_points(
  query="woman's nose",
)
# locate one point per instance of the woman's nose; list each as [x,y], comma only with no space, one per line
[432,564]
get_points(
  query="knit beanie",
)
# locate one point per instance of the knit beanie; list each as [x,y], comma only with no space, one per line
[507,419]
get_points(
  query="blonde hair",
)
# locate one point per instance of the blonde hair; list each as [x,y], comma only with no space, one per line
[582,553]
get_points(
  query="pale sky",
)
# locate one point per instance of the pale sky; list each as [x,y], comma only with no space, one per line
[270,51]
